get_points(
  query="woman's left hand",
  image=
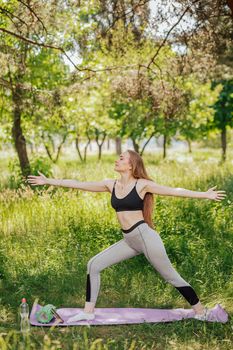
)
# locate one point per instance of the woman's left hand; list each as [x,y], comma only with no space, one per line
[215,195]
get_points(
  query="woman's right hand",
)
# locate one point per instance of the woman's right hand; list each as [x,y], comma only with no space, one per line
[37,180]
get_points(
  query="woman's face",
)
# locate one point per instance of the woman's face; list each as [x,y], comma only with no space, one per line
[123,163]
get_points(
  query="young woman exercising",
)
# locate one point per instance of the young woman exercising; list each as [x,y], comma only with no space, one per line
[132,198]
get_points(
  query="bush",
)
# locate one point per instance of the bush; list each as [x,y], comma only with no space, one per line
[17,180]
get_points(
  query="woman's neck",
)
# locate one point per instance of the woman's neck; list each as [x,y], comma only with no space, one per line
[126,179]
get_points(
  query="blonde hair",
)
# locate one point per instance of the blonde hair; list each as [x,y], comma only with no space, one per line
[139,172]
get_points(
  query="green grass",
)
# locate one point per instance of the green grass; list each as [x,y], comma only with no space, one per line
[48,236]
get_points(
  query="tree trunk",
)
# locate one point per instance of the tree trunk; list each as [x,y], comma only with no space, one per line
[189,145]
[60,147]
[17,133]
[46,145]
[108,144]
[164,146]
[52,142]
[77,147]
[97,134]
[99,151]
[48,151]
[135,146]
[118,145]
[86,146]
[224,142]
[100,147]
[143,148]
[85,150]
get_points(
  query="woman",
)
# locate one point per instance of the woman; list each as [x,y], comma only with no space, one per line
[132,198]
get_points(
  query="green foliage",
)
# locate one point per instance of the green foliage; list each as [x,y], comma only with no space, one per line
[200,112]
[134,118]
[224,105]
[42,164]
[16,180]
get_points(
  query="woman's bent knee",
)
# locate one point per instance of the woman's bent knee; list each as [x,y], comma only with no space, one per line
[92,266]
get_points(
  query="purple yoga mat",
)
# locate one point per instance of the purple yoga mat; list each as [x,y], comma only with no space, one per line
[111,316]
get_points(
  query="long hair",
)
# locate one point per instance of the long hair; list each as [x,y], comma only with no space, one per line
[139,172]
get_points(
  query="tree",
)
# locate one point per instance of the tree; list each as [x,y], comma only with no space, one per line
[194,125]
[223,107]
[16,73]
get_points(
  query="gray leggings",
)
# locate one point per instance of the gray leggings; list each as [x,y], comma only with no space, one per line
[141,238]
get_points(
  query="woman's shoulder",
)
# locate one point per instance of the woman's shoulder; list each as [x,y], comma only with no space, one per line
[109,183]
[143,181]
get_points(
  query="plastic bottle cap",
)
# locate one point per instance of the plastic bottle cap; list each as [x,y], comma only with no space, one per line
[24,300]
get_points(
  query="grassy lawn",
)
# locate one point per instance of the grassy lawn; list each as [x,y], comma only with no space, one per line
[48,235]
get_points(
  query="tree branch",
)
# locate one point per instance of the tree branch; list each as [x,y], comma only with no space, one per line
[63,51]
[125,14]
[6,83]
[7,12]
[33,12]
[169,32]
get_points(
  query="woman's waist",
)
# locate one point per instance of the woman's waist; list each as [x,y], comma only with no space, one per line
[133,227]
[128,219]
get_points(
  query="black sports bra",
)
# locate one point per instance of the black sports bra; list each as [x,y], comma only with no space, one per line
[130,202]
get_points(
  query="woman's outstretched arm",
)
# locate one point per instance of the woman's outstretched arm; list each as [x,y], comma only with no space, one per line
[93,186]
[211,193]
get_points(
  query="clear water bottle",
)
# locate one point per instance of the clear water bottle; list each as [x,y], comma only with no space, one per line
[24,317]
